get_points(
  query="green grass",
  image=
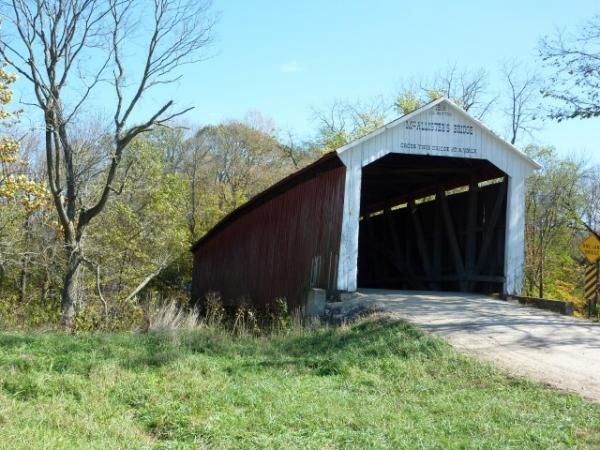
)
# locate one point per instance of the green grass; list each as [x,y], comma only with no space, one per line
[376,384]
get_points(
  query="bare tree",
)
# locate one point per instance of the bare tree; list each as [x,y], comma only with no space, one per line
[523,89]
[58,44]
[588,213]
[468,89]
[343,121]
[298,152]
[197,153]
[574,60]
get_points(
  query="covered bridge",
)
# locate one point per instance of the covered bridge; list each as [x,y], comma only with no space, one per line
[433,200]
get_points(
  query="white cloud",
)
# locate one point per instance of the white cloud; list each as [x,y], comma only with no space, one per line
[291,67]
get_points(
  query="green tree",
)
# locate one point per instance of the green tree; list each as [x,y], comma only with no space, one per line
[21,198]
[14,183]
[143,230]
[242,159]
[64,50]
[553,193]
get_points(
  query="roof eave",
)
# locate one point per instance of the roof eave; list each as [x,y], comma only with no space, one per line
[254,201]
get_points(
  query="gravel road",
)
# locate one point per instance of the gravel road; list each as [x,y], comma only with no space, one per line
[563,352]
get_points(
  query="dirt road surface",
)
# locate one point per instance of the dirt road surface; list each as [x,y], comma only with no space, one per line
[563,352]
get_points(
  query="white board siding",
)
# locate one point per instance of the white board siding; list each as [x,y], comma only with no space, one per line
[438,129]
[348,262]
[514,244]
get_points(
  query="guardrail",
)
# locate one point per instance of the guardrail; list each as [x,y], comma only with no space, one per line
[558,306]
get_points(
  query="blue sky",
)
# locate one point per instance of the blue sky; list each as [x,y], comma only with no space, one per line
[284,58]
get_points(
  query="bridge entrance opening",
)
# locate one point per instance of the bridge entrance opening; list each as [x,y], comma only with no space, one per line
[432,223]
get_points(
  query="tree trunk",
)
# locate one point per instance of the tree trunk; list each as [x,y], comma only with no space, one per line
[45,287]
[70,290]
[48,258]
[23,279]
[2,277]
[23,275]
[542,274]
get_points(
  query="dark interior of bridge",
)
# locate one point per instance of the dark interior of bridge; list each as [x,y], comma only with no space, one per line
[432,223]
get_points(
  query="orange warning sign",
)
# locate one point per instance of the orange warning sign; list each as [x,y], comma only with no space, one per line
[591,248]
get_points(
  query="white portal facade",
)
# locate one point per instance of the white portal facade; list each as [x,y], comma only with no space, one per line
[438,129]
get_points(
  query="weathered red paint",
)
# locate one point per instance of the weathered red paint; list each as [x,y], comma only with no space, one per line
[279,244]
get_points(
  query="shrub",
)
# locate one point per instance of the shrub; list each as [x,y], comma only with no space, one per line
[214,314]
[280,316]
[245,320]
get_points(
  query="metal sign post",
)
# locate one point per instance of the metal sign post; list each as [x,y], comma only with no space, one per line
[590,287]
[590,247]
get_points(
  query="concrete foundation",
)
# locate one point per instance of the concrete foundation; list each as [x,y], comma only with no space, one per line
[315,303]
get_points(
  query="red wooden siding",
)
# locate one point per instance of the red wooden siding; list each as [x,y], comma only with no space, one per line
[279,244]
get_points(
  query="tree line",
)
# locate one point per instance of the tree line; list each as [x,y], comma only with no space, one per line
[97,214]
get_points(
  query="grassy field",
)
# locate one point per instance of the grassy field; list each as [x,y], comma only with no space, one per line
[376,384]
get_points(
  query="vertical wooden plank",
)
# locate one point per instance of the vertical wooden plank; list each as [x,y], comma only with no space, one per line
[398,261]
[373,243]
[392,230]
[452,239]
[490,227]
[421,244]
[437,245]
[471,241]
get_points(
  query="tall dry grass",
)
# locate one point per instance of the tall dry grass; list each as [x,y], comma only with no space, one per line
[244,321]
[171,316]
